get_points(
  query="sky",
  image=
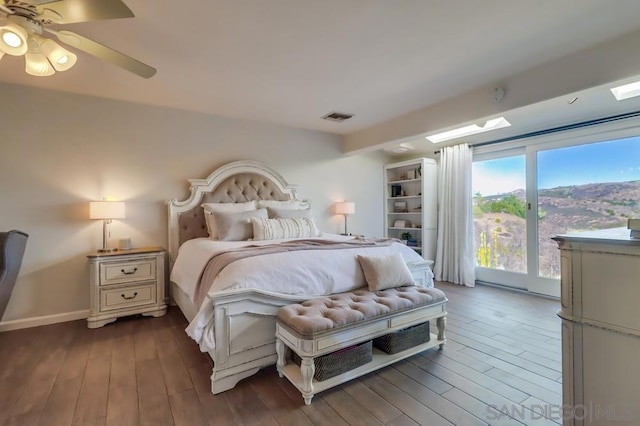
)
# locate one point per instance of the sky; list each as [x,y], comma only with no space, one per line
[611,161]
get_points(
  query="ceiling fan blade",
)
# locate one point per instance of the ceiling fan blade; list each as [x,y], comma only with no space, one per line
[5,9]
[105,53]
[73,11]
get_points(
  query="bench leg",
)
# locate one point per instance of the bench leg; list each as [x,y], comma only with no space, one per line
[441,323]
[307,370]
[281,350]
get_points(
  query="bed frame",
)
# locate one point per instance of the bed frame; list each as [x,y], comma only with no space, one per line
[244,328]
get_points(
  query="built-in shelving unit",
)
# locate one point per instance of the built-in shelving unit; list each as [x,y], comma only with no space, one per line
[411,204]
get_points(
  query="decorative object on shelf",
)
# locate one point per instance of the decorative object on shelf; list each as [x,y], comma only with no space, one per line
[400,207]
[400,224]
[406,236]
[107,211]
[396,190]
[345,208]
[125,243]
[411,174]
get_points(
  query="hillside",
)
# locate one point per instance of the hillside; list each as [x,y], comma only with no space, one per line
[561,210]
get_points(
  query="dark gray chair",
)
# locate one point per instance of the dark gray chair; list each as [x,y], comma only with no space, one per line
[12,245]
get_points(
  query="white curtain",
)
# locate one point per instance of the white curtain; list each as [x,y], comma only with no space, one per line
[454,251]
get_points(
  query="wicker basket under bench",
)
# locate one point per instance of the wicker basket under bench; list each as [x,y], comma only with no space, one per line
[339,322]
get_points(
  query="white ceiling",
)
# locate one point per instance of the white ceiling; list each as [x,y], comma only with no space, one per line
[290,62]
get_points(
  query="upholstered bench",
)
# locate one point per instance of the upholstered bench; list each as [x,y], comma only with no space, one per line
[329,324]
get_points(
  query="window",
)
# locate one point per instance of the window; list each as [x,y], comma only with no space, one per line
[586,180]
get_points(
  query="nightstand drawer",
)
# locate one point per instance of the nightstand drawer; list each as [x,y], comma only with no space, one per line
[126,297]
[126,272]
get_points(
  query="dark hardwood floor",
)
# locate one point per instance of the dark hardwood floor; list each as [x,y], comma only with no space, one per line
[503,351]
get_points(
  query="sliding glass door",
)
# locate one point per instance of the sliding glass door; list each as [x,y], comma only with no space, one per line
[525,196]
[500,218]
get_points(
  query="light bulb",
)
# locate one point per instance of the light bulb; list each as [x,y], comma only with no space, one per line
[14,39]
[11,39]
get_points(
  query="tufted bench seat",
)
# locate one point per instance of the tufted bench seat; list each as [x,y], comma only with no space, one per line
[327,324]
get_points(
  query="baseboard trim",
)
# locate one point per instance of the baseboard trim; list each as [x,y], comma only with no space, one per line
[43,320]
[517,290]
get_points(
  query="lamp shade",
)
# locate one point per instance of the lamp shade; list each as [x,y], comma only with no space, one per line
[36,64]
[60,58]
[345,207]
[106,210]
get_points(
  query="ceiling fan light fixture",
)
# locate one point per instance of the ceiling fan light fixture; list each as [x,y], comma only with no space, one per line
[13,39]
[60,58]
[36,64]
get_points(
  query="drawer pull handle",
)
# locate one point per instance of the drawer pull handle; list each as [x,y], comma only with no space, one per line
[131,297]
[130,272]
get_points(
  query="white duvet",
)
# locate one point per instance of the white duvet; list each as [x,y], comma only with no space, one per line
[306,273]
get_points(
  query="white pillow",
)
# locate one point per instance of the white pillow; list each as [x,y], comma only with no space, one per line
[275,213]
[284,205]
[385,271]
[275,229]
[237,226]
[223,207]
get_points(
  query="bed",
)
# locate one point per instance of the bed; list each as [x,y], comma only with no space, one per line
[236,324]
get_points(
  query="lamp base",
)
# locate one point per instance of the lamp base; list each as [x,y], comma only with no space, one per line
[107,250]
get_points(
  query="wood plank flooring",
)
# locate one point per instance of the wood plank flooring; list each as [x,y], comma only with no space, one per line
[503,351]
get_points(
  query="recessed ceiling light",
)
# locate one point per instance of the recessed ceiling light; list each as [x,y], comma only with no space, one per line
[493,124]
[626,91]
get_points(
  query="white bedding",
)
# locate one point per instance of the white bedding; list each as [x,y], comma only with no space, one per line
[307,273]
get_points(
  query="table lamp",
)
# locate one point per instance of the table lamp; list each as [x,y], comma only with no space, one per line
[345,208]
[106,210]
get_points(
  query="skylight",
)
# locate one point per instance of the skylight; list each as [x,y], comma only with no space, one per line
[493,124]
[626,91]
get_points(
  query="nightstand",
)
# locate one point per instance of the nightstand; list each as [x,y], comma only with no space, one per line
[127,282]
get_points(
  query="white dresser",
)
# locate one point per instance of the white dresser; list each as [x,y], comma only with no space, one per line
[600,313]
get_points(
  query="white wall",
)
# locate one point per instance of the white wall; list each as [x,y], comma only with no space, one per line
[60,151]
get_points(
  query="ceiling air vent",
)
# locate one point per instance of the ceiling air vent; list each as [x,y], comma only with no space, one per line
[337,116]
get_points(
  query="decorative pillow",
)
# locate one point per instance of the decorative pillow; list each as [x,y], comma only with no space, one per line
[284,205]
[385,271]
[237,226]
[223,207]
[274,229]
[275,213]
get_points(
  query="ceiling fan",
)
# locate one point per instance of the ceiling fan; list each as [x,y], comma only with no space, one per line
[23,24]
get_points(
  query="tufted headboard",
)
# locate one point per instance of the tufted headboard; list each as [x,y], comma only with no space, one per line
[235,182]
